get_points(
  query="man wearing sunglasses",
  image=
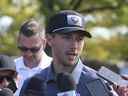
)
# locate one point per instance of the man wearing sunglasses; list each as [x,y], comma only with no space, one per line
[31,43]
[7,74]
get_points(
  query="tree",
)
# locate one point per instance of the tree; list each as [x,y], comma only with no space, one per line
[19,12]
[106,13]
[113,49]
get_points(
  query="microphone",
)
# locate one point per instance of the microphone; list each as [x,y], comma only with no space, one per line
[111,77]
[66,85]
[35,87]
[6,92]
[98,88]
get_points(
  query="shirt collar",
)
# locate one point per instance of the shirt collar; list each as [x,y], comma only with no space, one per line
[47,60]
[75,73]
[21,66]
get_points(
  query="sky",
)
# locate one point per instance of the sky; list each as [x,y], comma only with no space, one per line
[5,23]
[107,33]
[101,32]
[104,32]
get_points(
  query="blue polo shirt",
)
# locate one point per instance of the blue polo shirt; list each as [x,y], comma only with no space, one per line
[81,74]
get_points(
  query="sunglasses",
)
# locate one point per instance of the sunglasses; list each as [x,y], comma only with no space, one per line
[25,49]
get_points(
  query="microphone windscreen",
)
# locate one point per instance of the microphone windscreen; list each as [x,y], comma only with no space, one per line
[6,92]
[65,82]
[35,87]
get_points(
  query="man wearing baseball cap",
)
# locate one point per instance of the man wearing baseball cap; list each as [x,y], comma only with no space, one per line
[7,73]
[66,34]
[67,22]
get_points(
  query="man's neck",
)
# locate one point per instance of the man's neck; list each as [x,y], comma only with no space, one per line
[60,68]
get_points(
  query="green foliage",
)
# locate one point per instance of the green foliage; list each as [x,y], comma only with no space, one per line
[94,50]
[18,13]
[107,13]
[115,48]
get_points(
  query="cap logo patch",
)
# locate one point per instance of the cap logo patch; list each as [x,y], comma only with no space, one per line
[74,20]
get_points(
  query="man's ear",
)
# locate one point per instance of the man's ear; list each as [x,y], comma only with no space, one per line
[49,39]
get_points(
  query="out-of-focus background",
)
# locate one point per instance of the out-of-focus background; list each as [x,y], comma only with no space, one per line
[107,20]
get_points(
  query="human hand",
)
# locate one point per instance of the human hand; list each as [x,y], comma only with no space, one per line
[122,90]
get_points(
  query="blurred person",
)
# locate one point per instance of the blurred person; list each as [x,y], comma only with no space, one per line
[31,42]
[7,73]
[66,36]
[6,92]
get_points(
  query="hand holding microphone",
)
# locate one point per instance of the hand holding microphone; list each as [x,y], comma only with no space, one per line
[112,77]
[120,84]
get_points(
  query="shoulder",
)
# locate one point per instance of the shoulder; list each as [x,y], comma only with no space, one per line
[46,57]
[89,70]
[89,73]
[43,73]
[90,76]
[45,61]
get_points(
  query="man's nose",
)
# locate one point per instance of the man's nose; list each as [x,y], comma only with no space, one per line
[74,43]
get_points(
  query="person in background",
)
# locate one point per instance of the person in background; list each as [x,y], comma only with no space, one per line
[6,92]
[31,42]
[8,74]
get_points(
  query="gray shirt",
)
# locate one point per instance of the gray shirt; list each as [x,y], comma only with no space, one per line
[83,76]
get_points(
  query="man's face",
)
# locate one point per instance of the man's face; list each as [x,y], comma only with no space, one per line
[6,76]
[67,47]
[31,48]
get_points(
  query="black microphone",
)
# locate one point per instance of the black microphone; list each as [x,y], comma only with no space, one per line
[66,85]
[111,77]
[6,92]
[35,87]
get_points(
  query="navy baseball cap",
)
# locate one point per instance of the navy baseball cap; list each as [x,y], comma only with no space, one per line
[67,21]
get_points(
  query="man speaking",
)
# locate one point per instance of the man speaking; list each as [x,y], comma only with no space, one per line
[66,35]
